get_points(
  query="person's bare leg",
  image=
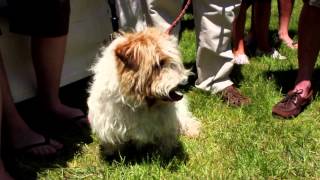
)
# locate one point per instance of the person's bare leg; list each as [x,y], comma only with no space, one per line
[20,133]
[285,10]
[309,45]
[238,30]
[262,11]
[4,175]
[48,57]
[252,34]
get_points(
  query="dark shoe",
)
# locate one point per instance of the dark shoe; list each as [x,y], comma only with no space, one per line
[292,105]
[233,97]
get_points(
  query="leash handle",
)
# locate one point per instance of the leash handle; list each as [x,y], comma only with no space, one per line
[179,17]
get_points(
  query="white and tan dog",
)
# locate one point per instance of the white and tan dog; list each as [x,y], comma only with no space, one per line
[134,94]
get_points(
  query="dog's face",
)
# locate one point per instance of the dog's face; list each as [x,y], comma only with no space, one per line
[149,66]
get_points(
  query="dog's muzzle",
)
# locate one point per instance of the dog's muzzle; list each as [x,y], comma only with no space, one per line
[176,93]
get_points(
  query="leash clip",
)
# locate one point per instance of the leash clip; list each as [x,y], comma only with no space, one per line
[114,35]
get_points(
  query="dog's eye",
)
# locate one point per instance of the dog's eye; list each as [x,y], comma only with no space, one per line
[162,63]
[173,66]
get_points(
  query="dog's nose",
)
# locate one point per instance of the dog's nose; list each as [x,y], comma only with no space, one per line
[185,81]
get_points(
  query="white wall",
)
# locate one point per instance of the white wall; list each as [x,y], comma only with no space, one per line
[89,26]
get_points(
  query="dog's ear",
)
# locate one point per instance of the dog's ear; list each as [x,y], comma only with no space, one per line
[126,54]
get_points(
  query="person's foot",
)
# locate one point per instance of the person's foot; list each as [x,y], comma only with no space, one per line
[292,105]
[288,41]
[68,114]
[23,139]
[273,53]
[241,59]
[232,96]
[26,141]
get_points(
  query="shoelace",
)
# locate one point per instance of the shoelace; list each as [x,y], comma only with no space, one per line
[292,97]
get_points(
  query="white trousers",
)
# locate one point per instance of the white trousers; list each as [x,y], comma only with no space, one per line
[213,23]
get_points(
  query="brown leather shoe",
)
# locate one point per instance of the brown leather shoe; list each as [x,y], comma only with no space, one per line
[292,105]
[233,97]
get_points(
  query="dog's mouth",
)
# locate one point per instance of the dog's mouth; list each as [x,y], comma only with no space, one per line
[175,95]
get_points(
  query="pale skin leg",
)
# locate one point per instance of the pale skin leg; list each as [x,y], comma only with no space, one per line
[285,11]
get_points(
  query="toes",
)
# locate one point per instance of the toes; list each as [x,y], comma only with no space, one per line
[44,150]
[47,148]
[55,144]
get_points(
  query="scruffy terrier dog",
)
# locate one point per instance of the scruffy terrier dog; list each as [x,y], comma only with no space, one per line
[135,97]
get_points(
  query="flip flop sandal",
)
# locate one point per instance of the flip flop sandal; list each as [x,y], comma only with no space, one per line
[25,151]
[292,45]
[274,54]
[81,121]
[241,59]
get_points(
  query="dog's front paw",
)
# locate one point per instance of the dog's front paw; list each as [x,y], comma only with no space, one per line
[109,149]
[191,128]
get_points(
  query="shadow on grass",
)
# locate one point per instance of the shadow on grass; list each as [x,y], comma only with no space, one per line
[148,154]
[236,75]
[274,38]
[274,41]
[285,80]
[73,137]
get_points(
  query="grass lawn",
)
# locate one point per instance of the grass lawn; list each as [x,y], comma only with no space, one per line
[235,143]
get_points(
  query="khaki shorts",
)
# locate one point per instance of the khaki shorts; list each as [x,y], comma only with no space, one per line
[40,18]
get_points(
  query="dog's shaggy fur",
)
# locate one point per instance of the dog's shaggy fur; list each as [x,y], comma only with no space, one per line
[134,95]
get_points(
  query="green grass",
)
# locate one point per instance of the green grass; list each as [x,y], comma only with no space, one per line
[235,143]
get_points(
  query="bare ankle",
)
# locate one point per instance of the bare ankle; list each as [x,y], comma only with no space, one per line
[284,36]
[305,87]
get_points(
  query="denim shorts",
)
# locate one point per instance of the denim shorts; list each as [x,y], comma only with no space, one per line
[40,18]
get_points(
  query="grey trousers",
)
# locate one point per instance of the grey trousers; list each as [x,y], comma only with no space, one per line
[213,21]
